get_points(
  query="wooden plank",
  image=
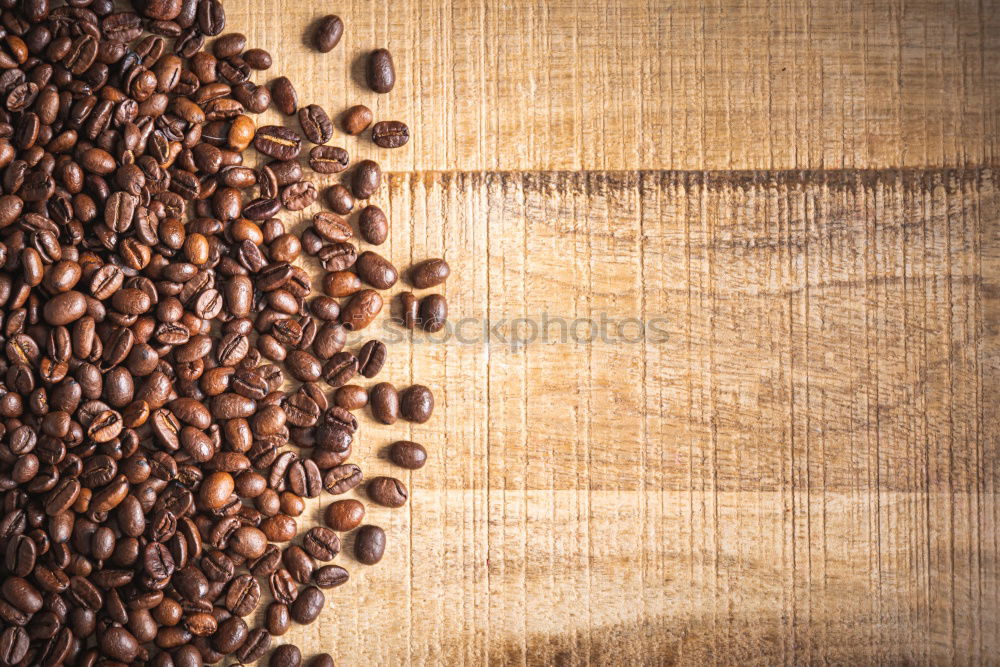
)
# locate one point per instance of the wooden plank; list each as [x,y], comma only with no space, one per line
[631,84]
[797,463]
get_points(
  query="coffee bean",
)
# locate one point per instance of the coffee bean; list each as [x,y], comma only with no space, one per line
[350,397]
[321,543]
[410,306]
[321,660]
[257,644]
[328,159]
[341,283]
[429,273]
[384,401]
[258,59]
[371,358]
[387,491]
[284,96]
[329,30]
[390,134]
[416,403]
[406,454]
[308,605]
[277,618]
[277,142]
[433,312]
[298,196]
[339,199]
[366,179]
[361,310]
[342,478]
[340,368]
[316,124]
[376,270]
[286,655]
[373,225]
[357,119]
[380,71]
[369,544]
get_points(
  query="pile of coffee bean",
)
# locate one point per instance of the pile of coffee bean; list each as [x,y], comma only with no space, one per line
[171,389]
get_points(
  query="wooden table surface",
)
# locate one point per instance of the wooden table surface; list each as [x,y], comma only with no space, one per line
[722,384]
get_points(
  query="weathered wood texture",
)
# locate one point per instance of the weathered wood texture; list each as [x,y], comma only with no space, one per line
[634,84]
[798,463]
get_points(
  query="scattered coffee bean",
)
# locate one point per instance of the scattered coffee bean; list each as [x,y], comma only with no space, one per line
[316,125]
[373,223]
[384,401]
[357,119]
[429,273]
[286,655]
[284,96]
[328,160]
[390,134]
[328,33]
[344,515]
[406,454]
[366,179]
[433,312]
[369,544]
[376,270]
[416,403]
[277,142]
[380,71]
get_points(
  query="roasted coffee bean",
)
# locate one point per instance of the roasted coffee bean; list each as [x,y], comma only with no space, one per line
[366,179]
[429,273]
[341,283]
[342,478]
[416,403]
[329,30]
[351,397]
[369,544]
[373,225]
[308,605]
[298,196]
[361,310]
[357,119]
[380,71]
[316,124]
[332,227]
[371,358]
[286,655]
[321,543]
[258,59]
[326,159]
[321,660]
[387,491]
[339,199]
[330,576]
[257,644]
[406,454]
[384,402]
[376,270]
[340,368]
[278,142]
[284,96]
[410,306]
[390,134]
[433,312]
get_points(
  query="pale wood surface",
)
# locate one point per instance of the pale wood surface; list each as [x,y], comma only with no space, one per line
[804,470]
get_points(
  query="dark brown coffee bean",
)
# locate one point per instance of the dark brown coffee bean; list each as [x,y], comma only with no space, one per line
[258,59]
[284,96]
[339,199]
[406,454]
[341,479]
[387,491]
[390,134]
[229,45]
[369,544]
[380,72]
[373,225]
[410,306]
[416,403]
[330,576]
[277,142]
[298,196]
[316,124]
[231,636]
[342,283]
[332,227]
[433,312]
[328,159]
[384,402]
[350,397]
[376,270]
[366,179]
[329,30]
[429,273]
[257,644]
[243,595]
[211,17]
[308,605]
[361,310]
[304,366]
[337,256]
[321,543]
[286,655]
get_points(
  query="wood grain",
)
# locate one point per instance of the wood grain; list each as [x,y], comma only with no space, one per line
[798,461]
[632,84]
[799,465]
